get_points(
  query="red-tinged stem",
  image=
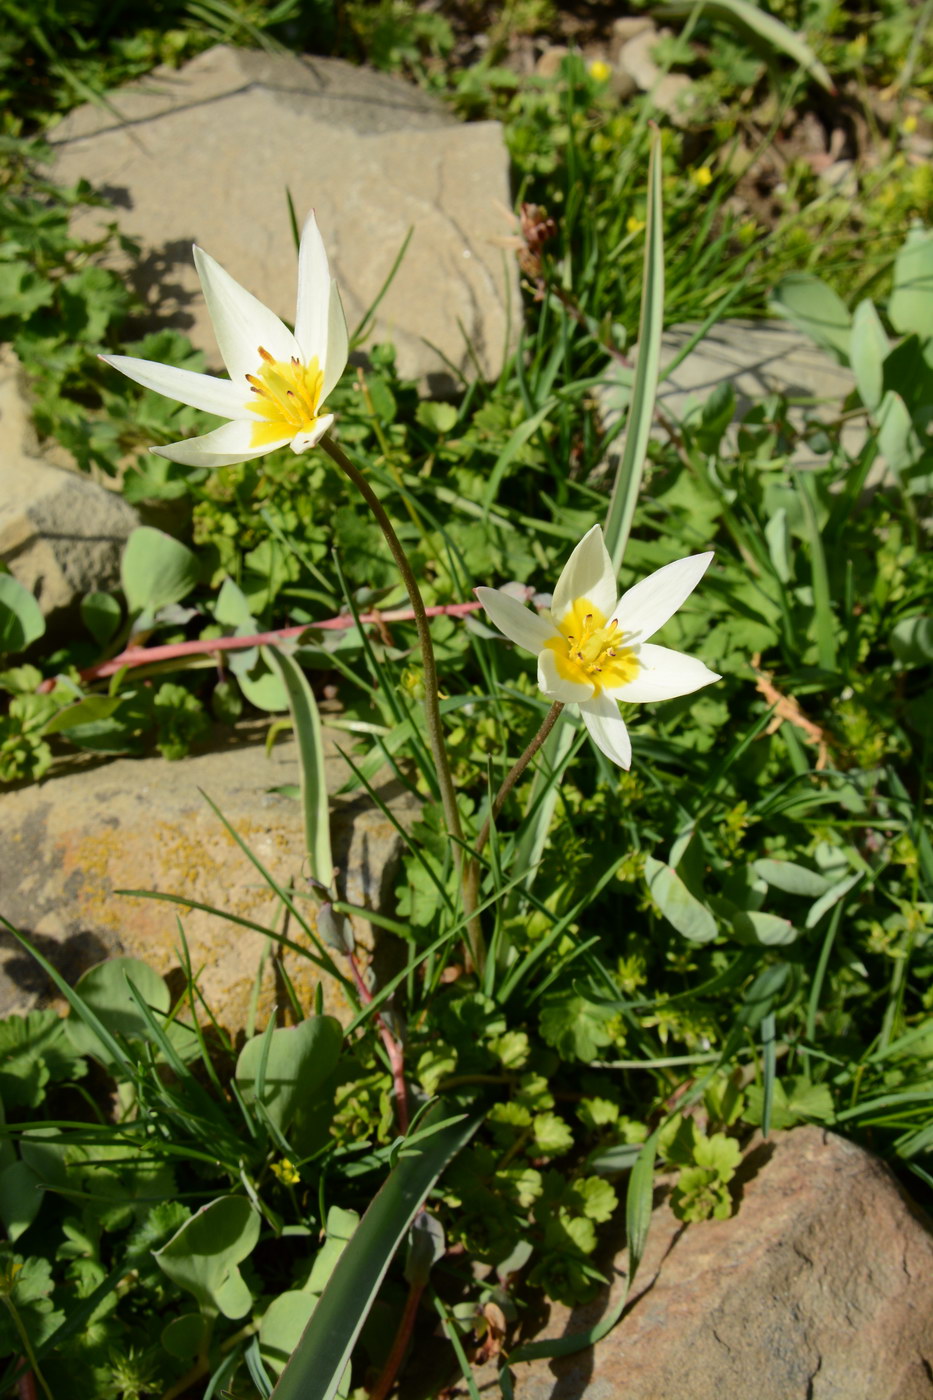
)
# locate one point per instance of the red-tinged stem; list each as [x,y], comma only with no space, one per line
[392,1048]
[516,771]
[396,1356]
[145,656]
[26,1387]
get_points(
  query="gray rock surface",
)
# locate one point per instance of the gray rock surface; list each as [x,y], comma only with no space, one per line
[757,358]
[61,535]
[820,1287]
[69,842]
[207,153]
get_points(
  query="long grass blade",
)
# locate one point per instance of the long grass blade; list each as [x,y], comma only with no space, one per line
[627,483]
[314,798]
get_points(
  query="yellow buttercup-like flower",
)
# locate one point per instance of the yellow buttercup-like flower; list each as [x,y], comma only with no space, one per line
[278,382]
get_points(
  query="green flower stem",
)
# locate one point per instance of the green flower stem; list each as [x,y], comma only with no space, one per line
[469,876]
[27,1348]
[516,771]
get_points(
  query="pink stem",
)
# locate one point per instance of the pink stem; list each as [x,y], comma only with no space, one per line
[145,656]
[392,1049]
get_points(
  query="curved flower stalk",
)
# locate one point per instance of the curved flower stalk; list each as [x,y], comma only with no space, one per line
[593,648]
[278,381]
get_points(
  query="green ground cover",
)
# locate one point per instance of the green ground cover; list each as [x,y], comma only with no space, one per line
[731,935]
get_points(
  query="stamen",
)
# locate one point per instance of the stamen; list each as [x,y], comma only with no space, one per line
[264,355]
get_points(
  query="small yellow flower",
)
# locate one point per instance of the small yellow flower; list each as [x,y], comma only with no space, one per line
[600,71]
[702,177]
[286,1171]
[634,225]
[909,125]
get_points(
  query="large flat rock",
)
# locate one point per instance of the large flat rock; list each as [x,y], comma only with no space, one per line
[820,1287]
[208,153]
[61,535]
[68,843]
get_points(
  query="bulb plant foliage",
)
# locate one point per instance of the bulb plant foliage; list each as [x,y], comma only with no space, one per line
[670,887]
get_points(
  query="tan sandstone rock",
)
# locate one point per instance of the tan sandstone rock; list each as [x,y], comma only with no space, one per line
[820,1287]
[61,535]
[209,152]
[68,843]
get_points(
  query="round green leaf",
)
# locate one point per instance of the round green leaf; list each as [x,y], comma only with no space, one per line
[21,620]
[101,615]
[285,1319]
[912,641]
[202,1256]
[285,1069]
[677,904]
[156,570]
[105,989]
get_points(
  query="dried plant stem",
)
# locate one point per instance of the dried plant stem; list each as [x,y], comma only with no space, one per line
[468,873]
[516,771]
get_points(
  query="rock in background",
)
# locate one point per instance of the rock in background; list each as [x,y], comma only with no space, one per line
[820,1287]
[61,535]
[208,153]
[69,842]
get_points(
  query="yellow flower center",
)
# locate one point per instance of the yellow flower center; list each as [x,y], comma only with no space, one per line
[590,650]
[286,396]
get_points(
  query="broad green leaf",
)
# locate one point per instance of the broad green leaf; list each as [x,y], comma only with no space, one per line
[289,1066]
[202,1257]
[898,439]
[21,620]
[792,878]
[284,1320]
[184,1336]
[868,348]
[101,613]
[912,641]
[156,570]
[90,710]
[910,305]
[831,897]
[770,930]
[320,1359]
[627,483]
[20,1198]
[576,1027]
[817,310]
[104,990]
[312,769]
[677,904]
[758,23]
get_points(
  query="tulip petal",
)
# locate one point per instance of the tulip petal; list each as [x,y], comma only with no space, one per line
[586,574]
[607,729]
[558,687]
[647,606]
[230,443]
[522,626]
[663,674]
[303,442]
[241,323]
[338,343]
[218,396]
[314,291]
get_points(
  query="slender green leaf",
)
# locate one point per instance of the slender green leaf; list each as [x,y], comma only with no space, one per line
[319,1360]
[758,23]
[314,797]
[627,483]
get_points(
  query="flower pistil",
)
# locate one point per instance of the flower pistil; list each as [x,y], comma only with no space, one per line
[591,651]
[288,394]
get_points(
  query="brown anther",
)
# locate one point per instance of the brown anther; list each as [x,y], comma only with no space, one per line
[264,355]
[295,361]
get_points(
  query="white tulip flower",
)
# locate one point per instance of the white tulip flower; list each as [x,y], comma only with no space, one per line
[593,648]
[278,381]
